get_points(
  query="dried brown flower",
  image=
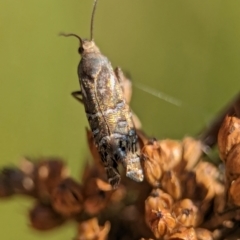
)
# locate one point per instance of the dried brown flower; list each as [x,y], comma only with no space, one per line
[90,230]
[43,217]
[187,213]
[172,156]
[192,151]
[67,198]
[158,213]
[228,136]
[172,185]
[152,156]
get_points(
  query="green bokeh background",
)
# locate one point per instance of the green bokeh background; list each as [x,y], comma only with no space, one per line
[187,49]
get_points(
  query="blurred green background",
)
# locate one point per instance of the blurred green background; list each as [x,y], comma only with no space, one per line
[187,49]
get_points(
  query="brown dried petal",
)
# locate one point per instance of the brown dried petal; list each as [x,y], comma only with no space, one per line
[207,168]
[171,184]
[97,194]
[142,137]
[234,192]
[220,197]
[228,135]
[192,151]
[188,184]
[119,194]
[172,153]
[183,233]
[232,165]
[152,171]
[205,189]
[67,198]
[90,230]
[203,234]
[158,199]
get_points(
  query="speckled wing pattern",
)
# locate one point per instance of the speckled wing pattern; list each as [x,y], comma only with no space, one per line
[109,117]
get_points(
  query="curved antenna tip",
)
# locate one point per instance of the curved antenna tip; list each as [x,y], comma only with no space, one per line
[70,35]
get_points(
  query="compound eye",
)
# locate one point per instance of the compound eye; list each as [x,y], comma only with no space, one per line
[80,50]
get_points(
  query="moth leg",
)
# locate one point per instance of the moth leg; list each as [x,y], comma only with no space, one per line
[125,84]
[78,96]
[113,176]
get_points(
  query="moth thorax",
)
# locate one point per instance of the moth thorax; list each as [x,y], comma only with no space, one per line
[88,46]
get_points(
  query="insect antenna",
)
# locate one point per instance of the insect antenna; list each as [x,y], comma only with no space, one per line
[174,101]
[92,19]
[71,35]
[158,94]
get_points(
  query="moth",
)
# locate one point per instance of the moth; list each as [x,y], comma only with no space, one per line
[108,114]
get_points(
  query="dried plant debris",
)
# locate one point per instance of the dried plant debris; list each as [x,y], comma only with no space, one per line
[182,197]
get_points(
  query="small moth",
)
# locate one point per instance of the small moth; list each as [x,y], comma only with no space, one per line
[108,114]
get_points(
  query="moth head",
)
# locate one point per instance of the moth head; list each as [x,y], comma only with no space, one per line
[88,46]
[85,46]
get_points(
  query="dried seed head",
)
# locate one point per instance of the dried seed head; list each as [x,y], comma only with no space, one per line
[157,213]
[207,168]
[228,135]
[158,199]
[96,190]
[192,151]
[90,230]
[48,173]
[172,153]
[43,217]
[187,213]
[183,233]
[67,198]
[14,181]
[161,222]
[152,162]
